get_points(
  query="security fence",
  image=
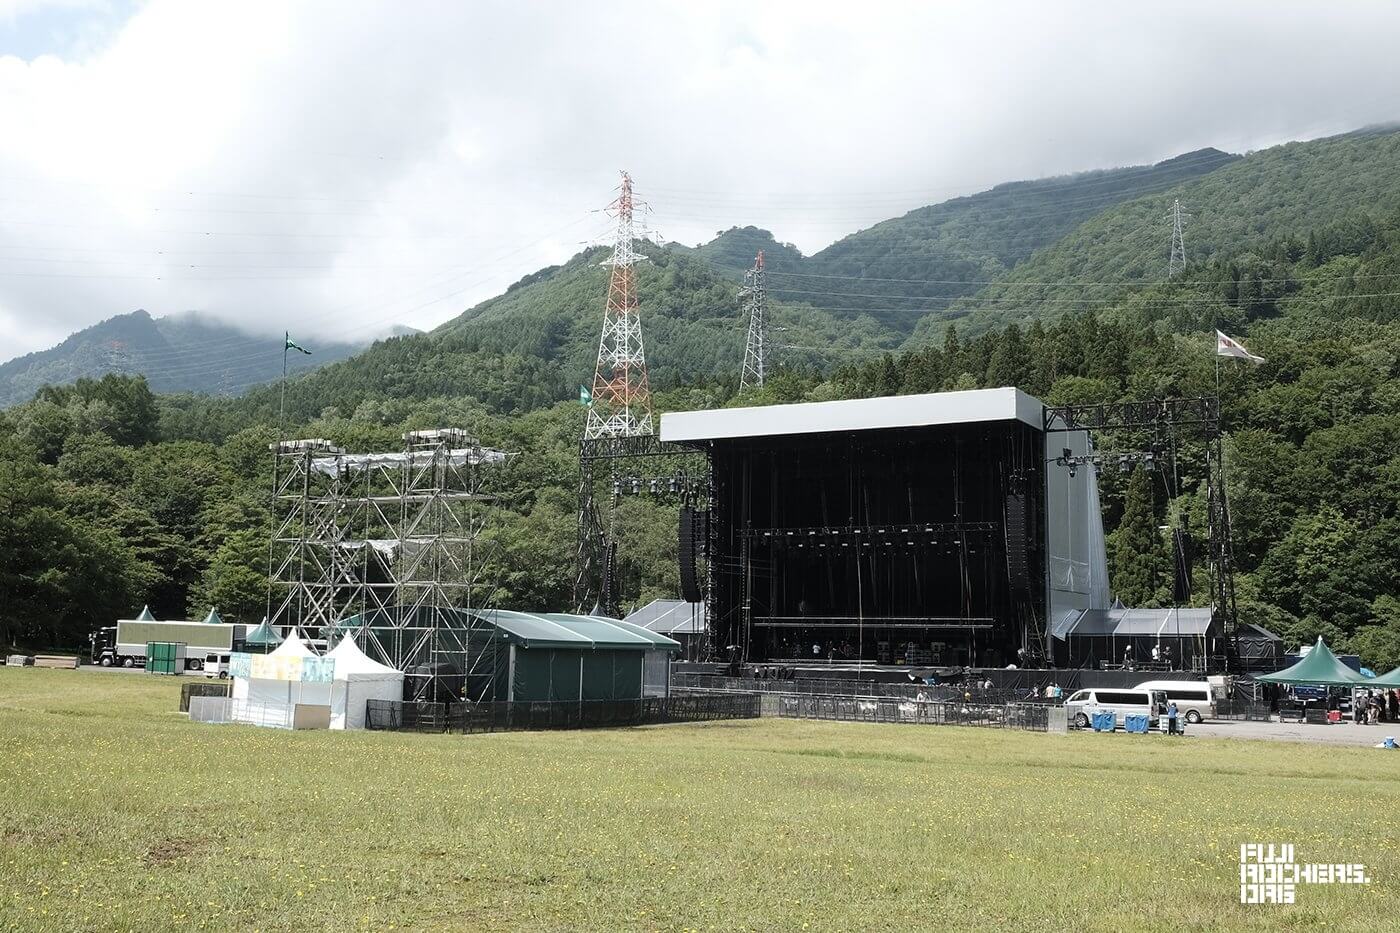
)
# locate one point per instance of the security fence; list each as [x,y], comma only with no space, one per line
[835,687]
[201,688]
[1246,710]
[1033,717]
[393,715]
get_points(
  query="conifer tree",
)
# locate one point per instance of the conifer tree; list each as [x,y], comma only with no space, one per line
[1139,555]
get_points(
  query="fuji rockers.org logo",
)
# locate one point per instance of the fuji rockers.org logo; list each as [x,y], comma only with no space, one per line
[1270,874]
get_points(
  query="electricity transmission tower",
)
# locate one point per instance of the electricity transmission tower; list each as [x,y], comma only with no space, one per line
[621,399]
[755,356]
[1177,264]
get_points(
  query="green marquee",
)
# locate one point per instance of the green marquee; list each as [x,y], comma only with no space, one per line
[1319,667]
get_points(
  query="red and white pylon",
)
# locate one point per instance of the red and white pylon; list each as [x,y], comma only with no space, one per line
[621,404]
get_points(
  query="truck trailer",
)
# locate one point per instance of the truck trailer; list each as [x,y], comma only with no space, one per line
[124,644]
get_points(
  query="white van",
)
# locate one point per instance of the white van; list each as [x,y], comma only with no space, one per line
[1082,706]
[216,665]
[1194,699]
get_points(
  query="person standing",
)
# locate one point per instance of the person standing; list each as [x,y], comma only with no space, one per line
[1171,718]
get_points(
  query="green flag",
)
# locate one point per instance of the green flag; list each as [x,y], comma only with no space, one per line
[585,398]
[293,345]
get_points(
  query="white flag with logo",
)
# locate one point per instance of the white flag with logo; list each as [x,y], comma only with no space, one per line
[1228,346]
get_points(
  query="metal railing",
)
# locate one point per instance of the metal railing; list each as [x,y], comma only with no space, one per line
[1031,717]
[816,686]
[393,715]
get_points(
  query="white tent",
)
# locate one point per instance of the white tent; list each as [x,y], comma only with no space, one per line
[277,685]
[359,678]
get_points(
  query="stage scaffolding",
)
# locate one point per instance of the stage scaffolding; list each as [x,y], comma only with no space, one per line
[386,547]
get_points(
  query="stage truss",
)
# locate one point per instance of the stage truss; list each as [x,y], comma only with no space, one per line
[386,547]
[1156,428]
[609,468]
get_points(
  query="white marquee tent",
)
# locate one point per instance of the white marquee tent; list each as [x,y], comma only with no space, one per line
[277,682]
[359,678]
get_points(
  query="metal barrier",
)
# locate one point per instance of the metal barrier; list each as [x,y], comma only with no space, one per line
[395,716]
[211,709]
[847,688]
[1026,716]
[1233,708]
[201,688]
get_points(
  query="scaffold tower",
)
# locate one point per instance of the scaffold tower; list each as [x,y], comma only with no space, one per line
[386,547]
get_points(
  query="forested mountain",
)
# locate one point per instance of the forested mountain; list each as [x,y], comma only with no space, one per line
[178,353]
[111,497]
[538,342]
[909,267]
[734,250]
[1240,211]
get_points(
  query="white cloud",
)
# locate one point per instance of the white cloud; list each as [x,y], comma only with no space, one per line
[340,167]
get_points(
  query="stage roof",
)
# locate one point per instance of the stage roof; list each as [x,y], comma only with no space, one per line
[670,617]
[863,414]
[1129,623]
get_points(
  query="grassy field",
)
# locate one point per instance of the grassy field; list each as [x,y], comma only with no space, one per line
[117,813]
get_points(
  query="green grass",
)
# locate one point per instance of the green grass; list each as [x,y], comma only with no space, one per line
[117,813]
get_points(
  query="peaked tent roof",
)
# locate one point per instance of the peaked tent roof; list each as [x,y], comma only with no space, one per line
[293,646]
[1388,679]
[350,661]
[1319,667]
[145,615]
[263,635]
[213,617]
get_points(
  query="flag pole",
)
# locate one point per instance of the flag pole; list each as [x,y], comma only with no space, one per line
[282,399]
[276,450]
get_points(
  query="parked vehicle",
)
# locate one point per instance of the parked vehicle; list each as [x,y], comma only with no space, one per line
[1194,698]
[216,665]
[124,644]
[1082,706]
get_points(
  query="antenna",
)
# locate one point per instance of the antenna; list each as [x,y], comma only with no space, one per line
[753,296]
[621,405]
[1177,264]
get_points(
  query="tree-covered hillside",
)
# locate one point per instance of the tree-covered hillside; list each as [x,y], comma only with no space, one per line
[535,344]
[911,266]
[733,250]
[179,353]
[110,497]
[1236,212]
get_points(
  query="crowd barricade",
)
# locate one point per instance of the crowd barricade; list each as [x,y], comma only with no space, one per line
[1032,717]
[837,687]
[408,716]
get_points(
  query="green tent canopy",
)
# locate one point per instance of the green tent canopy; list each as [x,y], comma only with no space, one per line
[213,617]
[145,615]
[1388,679]
[1319,667]
[263,635]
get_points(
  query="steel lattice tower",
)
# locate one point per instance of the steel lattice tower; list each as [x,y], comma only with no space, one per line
[621,405]
[754,297]
[1177,264]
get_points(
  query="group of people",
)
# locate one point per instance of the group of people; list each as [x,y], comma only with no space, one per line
[1161,654]
[1373,706]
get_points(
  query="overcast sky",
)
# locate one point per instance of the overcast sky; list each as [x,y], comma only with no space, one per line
[338,168]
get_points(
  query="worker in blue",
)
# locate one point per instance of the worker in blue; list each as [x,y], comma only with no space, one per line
[1171,718]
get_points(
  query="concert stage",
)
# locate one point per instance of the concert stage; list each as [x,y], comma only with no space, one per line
[911,532]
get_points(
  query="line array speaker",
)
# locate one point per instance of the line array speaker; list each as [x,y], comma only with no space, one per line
[1018,567]
[686,548]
